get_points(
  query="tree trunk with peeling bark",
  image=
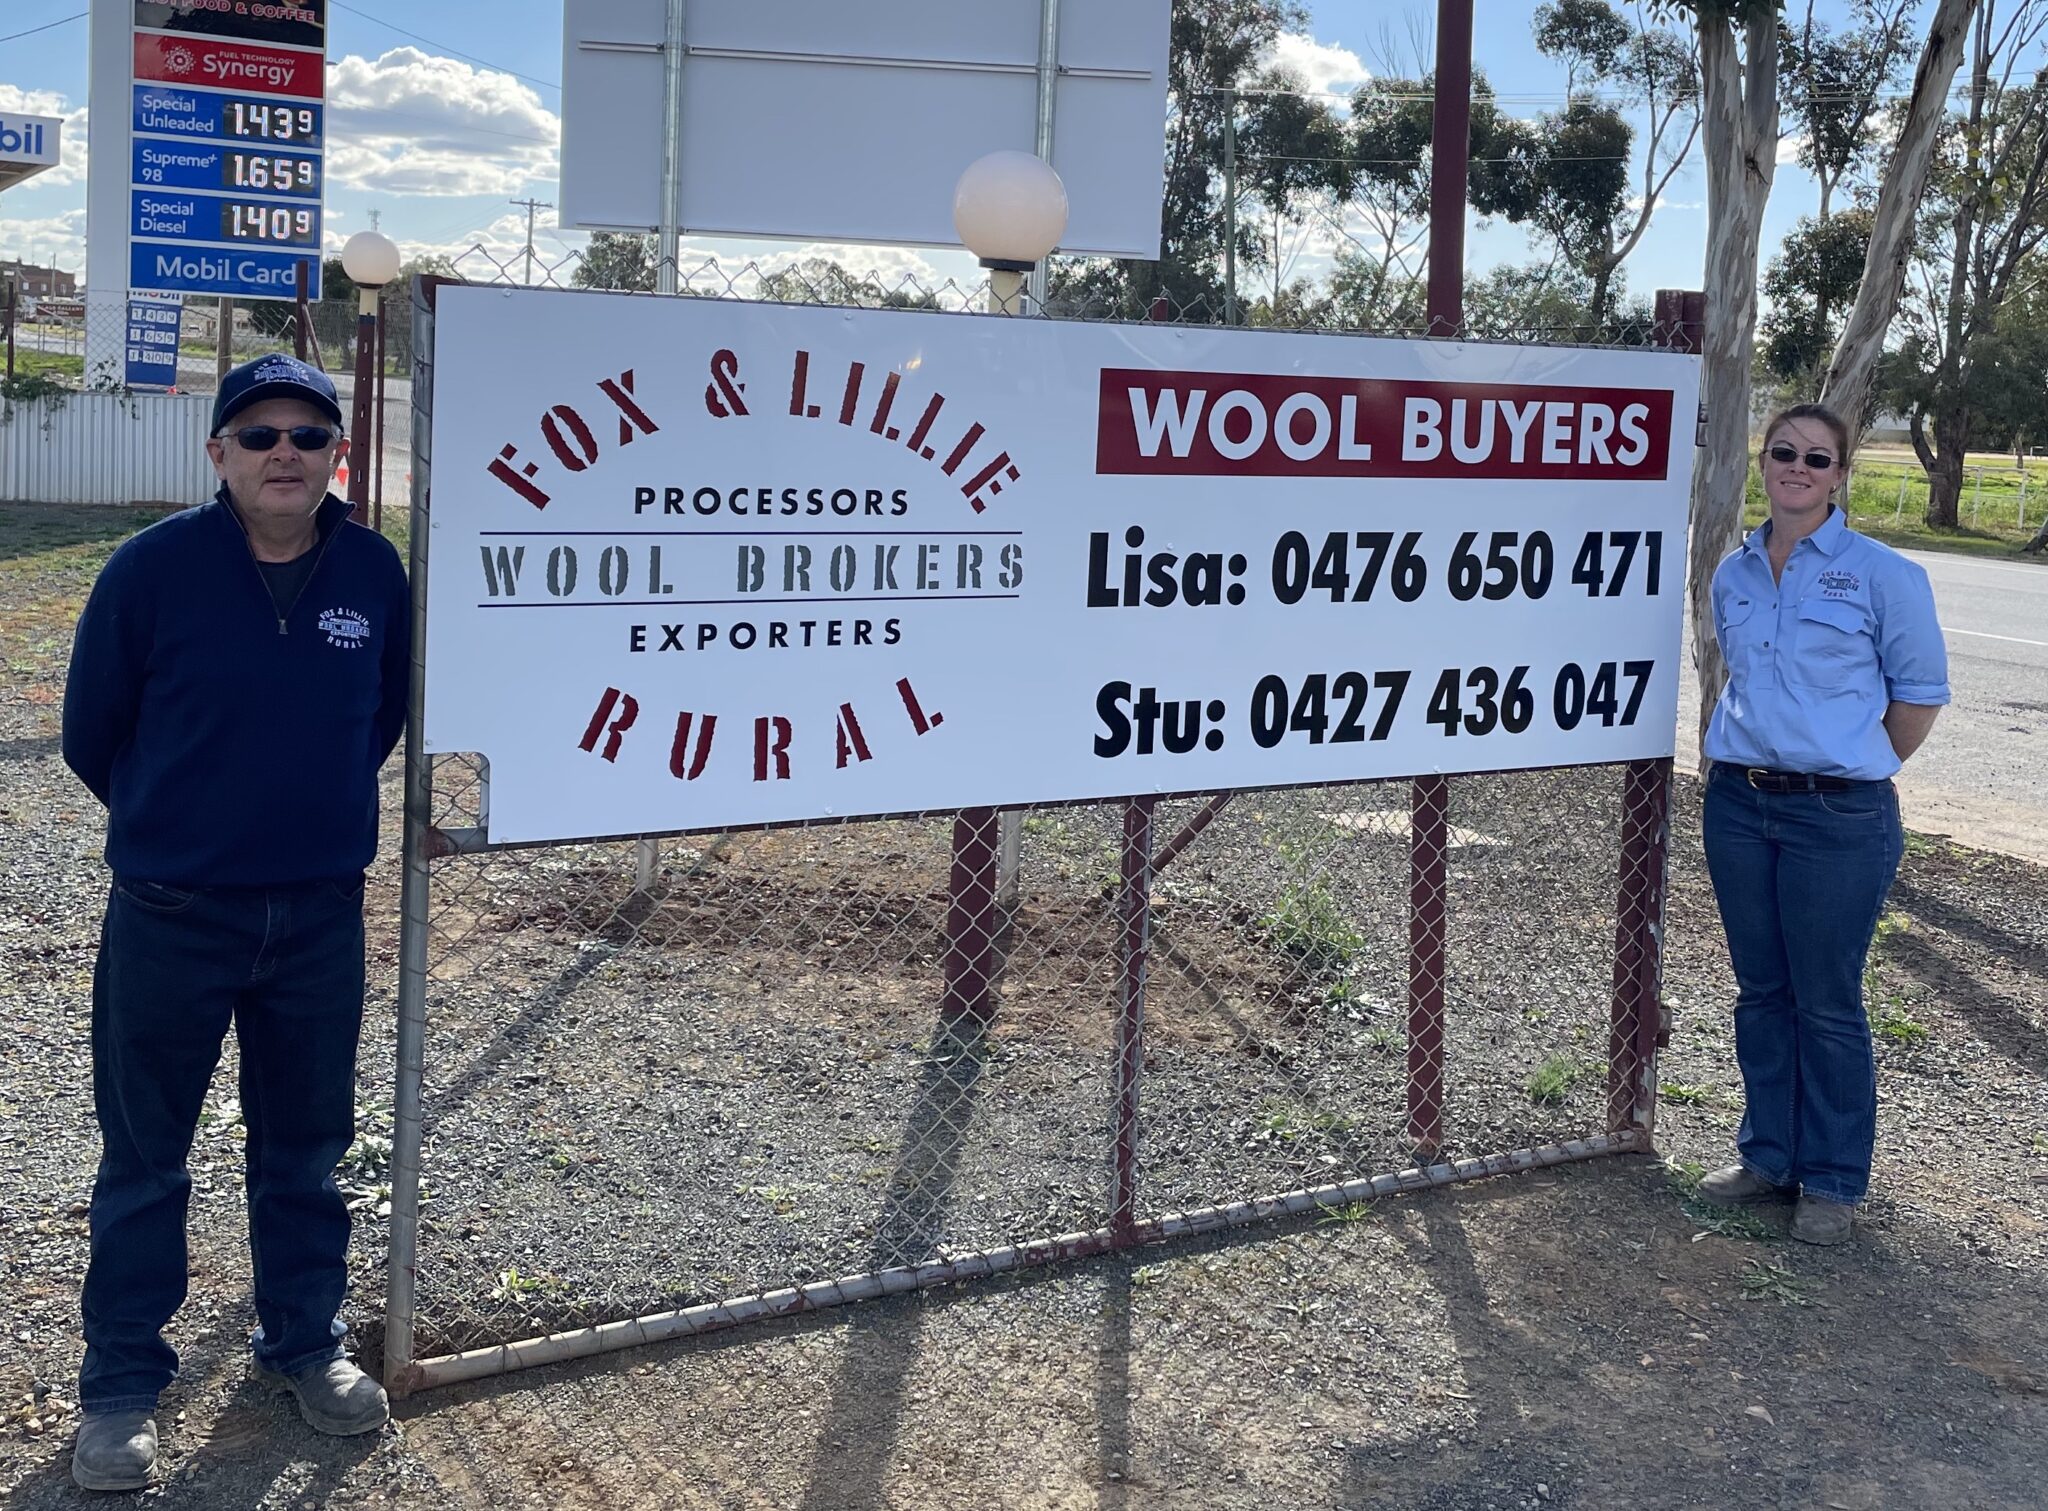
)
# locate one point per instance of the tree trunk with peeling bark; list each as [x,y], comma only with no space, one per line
[1854,366]
[1740,108]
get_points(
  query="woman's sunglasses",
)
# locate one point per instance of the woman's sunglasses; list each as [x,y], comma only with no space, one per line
[1816,461]
[266,437]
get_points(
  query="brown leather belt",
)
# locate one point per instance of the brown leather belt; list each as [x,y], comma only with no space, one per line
[1765,780]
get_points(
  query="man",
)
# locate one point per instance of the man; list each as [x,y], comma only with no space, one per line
[238,678]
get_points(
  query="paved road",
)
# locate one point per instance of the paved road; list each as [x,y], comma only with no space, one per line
[1982,776]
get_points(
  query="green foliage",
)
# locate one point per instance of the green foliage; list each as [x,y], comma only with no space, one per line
[1309,925]
[1894,1023]
[1810,284]
[1587,36]
[1293,1122]
[1551,1081]
[1831,83]
[30,387]
[820,280]
[1212,48]
[617,260]
[1774,1280]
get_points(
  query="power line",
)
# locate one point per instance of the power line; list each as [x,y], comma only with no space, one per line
[46,26]
[443,46]
[1390,162]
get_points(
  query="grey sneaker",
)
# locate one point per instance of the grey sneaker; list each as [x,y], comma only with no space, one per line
[1818,1220]
[335,1398]
[115,1450]
[1736,1185]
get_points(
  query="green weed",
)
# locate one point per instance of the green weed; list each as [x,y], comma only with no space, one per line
[1346,1213]
[1555,1077]
[1895,1024]
[1289,1122]
[1729,1222]
[1309,925]
[1772,1280]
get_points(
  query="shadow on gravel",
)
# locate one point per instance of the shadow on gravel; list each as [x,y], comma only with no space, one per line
[1928,907]
[251,1450]
[30,750]
[1995,1019]
[868,1394]
[31,529]
[479,1071]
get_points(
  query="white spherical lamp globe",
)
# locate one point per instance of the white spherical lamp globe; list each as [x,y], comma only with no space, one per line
[370,259]
[1010,207]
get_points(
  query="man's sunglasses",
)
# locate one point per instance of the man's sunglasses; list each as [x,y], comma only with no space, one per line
[1816,461]
[266,437]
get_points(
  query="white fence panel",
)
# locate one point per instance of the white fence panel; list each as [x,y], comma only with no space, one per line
[95,448]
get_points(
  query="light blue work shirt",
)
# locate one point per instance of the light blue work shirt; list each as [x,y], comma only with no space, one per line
[1815,658]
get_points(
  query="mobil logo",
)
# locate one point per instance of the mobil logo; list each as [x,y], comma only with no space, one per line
[31,138]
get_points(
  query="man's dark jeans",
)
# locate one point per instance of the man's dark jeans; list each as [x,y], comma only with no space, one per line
[285,964]
[1801,878]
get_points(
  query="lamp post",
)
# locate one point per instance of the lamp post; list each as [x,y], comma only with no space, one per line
[371,260]
[1010,210]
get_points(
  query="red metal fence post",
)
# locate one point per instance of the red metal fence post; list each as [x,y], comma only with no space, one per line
[971,922]
[1429,801]
[1134,918]
[383,325]
[1636,1016]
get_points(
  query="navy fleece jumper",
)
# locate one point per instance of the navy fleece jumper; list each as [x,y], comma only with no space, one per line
[234,746]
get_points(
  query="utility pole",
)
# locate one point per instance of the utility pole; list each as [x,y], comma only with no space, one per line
[530,205]
[1230,206]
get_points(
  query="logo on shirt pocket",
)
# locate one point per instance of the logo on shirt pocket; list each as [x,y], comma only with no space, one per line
[345,628]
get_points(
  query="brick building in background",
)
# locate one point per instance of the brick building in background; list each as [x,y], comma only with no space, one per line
[39,282]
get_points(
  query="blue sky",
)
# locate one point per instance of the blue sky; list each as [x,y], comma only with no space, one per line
[437,142]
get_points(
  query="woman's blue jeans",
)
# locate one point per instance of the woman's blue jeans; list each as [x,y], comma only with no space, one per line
[176,966]
[1801,878]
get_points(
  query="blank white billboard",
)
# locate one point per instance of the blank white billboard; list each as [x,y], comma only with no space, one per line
[819,121]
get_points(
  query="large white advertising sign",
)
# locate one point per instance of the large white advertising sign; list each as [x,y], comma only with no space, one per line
[698,563]
[821,120]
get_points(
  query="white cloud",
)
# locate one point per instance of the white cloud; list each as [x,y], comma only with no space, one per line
[71,167]
[58,239]
[1789,148]
[1324,65]
[414,123]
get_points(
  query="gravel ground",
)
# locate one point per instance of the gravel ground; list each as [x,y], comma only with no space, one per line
[736,1083]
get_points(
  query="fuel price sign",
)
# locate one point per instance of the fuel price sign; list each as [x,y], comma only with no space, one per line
[227,138]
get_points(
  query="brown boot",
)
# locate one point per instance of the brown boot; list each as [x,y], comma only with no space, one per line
[1818,1220]
[1737,1186]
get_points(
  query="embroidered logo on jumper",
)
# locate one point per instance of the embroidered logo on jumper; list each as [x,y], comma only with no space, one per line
[345,628]
[1839,584]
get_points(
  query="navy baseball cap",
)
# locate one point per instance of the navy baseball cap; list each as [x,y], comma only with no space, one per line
[275,377]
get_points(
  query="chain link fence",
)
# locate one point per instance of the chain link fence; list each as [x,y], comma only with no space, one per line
[662,1087]
[72,429]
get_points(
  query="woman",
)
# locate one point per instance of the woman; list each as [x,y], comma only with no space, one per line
[1836,669]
